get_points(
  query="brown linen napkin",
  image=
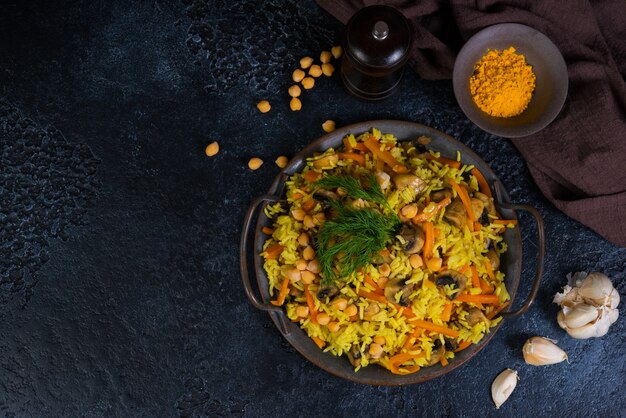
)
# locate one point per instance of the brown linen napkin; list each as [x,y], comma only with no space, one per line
[579,160]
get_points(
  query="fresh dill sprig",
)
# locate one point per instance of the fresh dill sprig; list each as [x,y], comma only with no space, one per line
[354,236]
[355,189]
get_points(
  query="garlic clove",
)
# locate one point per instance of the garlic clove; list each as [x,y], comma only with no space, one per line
[503,386]
[560,318]
[580,315]
[596,287]
[613,299]
[539,351]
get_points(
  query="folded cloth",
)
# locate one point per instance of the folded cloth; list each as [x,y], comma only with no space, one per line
[579,160]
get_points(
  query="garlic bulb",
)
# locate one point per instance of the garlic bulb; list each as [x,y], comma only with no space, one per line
[540,351]
[588,305]
[503,386]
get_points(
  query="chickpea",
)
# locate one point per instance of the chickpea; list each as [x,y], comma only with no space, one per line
[328,69]
[409,211]
[263,106]
[375,350]
[297,75]
[328,126]
[315,71]
[212,149]
[323,318]
[308,222]
[351,310]
[294,91]
[384,269]
[325,57]
[382,282]
[293,274]
[301,264]
[336,51]
[295,104]
[306,62]
[281,161]
[308,83]
[333,326]
[380,340]
[371,310]
[314,266]
[308,254]
[307,276]
[255,163]
[298,214]
[416,261]
[302,311]
[303,238]
[341,304]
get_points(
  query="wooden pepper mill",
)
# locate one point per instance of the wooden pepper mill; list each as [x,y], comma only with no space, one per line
[376,46]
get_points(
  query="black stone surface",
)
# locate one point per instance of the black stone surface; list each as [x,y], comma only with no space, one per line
[120,292]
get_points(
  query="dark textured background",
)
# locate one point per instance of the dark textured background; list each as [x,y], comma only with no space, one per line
[119,286]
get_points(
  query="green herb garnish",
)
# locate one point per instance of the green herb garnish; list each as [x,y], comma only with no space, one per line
[354,236]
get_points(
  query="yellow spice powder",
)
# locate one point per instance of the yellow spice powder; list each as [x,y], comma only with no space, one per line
[503,83]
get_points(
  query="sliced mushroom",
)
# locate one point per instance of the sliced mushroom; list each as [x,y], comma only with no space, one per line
[455,213]
[494,259]
[413,238]
[402,181]
[413,148]
[354,355]
[451,344]
[327,291]
[452,277]
[398,285]
[437,353]
[323,195]
[474,316]
[439,195]
[478,207]
[488,201]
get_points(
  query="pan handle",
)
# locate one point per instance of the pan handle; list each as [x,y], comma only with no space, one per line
[540,256]
[247,285]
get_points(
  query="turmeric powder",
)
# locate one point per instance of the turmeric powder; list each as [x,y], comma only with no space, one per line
[503,83]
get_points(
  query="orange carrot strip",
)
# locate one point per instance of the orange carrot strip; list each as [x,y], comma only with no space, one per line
[310,303]
[267,230]
[482,183]
[429,239]
[485,287]
[373,284]
[463,346]
[346,144]
[357,158]
[475,278]
[490,270]
[311,176]
[504,221]
[319,342]
[374,146]
[470,225]
[443,361]
[435,328]
[488,299]
[496,311]
[443,160]
[284,289]
[273,251]
[373,296]
[297,196]
[464,198]
[447,311]
[477,226]
[464,269]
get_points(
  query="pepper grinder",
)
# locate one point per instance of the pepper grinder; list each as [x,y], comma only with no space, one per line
[376,46]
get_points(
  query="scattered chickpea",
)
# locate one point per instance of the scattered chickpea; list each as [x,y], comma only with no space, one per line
[301,264]
[294,91]
[307,276]
[351,310]
[297,75]
[281,161]
[295,104]
[341,304]
[298,214]
[380,340]
[375,350]
[384,269]
[263,106]
[325,57]
[328,126]
[308,83]
[303,238]
[314,266]
[333,326]
[302,311]
[255,163]
[306,62]
[336,51]
[212,149]
[409,211]
[315,71]
[323,318]
[328,69]
[416,261]
[293,274]
[308,254]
